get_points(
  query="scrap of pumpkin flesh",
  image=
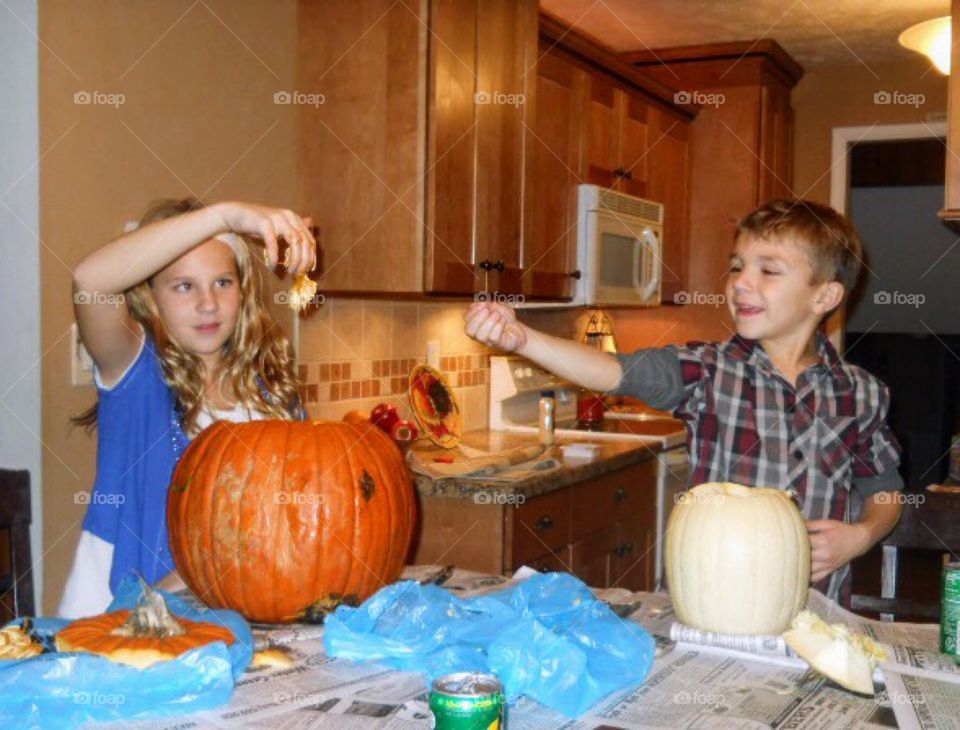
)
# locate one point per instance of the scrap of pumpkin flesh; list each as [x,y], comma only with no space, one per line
[833,650]
[302,292]
[15,643]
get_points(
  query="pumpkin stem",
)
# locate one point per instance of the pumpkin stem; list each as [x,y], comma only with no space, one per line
[151,618]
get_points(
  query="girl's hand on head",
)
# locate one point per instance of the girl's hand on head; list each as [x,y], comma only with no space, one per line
[269,225]
[495,325]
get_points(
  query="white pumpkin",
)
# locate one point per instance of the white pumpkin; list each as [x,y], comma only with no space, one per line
[737,559]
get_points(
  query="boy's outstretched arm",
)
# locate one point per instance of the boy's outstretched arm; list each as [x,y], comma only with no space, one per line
[496,325]
[833,544]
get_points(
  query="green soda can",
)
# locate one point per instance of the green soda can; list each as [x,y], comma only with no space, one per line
[467,701]
[950,609]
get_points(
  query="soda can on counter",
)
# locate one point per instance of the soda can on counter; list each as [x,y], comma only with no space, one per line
[950,609]
[467,700]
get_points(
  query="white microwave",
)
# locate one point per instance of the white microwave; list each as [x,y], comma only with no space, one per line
[619,249]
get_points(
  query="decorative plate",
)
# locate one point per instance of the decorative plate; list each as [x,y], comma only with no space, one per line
[435,407]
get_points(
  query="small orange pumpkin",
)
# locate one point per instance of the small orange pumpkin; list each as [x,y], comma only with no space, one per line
[284,520]
[356,417]
[141,637]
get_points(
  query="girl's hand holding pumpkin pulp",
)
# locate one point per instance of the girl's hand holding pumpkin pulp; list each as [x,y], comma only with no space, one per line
[271,224]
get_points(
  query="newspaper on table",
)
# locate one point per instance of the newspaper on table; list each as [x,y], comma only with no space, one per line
[923,702]
[689,686]
[911,648]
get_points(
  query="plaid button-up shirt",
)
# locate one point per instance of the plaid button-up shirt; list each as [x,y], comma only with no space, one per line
[747,424]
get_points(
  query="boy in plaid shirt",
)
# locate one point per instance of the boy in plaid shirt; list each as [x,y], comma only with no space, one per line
[773,406]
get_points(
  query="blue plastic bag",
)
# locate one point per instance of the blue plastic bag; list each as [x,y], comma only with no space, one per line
[68,689]
[547,638]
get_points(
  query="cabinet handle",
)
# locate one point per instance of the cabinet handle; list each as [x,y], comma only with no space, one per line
[486,265]
[622,550]
[575,274]
[622,174]
[544,523]
[499,266]
[620,495]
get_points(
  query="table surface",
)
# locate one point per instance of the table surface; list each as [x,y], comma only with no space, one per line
[688,686]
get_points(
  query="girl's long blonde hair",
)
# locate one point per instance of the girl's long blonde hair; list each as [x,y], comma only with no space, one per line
[257,360]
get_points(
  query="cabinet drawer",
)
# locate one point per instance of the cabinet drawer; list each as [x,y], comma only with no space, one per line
[540,525]
[557,561]
[633,559]
[590,557]
[598,503]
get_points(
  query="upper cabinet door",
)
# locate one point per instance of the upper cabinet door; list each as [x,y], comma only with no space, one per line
[601,143]
[776,125]
[483,58]
[669,184]
[450,253]
[360,149]
[631,171]
[553,153]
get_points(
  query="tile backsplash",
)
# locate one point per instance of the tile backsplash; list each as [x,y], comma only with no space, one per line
[354,354]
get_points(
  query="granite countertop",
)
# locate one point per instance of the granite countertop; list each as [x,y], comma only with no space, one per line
[612,455]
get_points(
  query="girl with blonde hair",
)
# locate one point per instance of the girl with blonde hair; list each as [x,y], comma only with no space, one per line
[172,315]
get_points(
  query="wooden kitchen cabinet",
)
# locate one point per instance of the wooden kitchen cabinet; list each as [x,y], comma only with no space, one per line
[740,142]
[413,163]
[616,137]
[603,530]
[480,57]
[444,150]
[552,164]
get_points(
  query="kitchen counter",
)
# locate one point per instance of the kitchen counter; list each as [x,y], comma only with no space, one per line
[612,455]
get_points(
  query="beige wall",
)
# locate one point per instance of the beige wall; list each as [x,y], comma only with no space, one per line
[198,117]
[843,96]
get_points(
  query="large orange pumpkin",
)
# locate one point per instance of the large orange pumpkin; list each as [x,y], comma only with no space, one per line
[283,521]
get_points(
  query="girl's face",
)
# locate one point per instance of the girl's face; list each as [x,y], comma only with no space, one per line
[198,297]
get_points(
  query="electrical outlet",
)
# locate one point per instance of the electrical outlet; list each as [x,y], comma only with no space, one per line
[433,354]
[81,364]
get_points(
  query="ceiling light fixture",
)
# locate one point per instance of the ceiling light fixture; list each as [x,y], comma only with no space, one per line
[932,39]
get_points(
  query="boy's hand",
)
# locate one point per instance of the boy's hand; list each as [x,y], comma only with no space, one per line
[496,325]
[833,544]
[269,224]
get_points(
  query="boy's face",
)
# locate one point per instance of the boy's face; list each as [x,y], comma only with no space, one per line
[770,290]
[198,297]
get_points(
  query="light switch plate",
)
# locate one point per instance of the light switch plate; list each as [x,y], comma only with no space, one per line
[81,364]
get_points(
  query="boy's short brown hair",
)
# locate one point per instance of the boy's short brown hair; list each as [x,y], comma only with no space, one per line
[832,242]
